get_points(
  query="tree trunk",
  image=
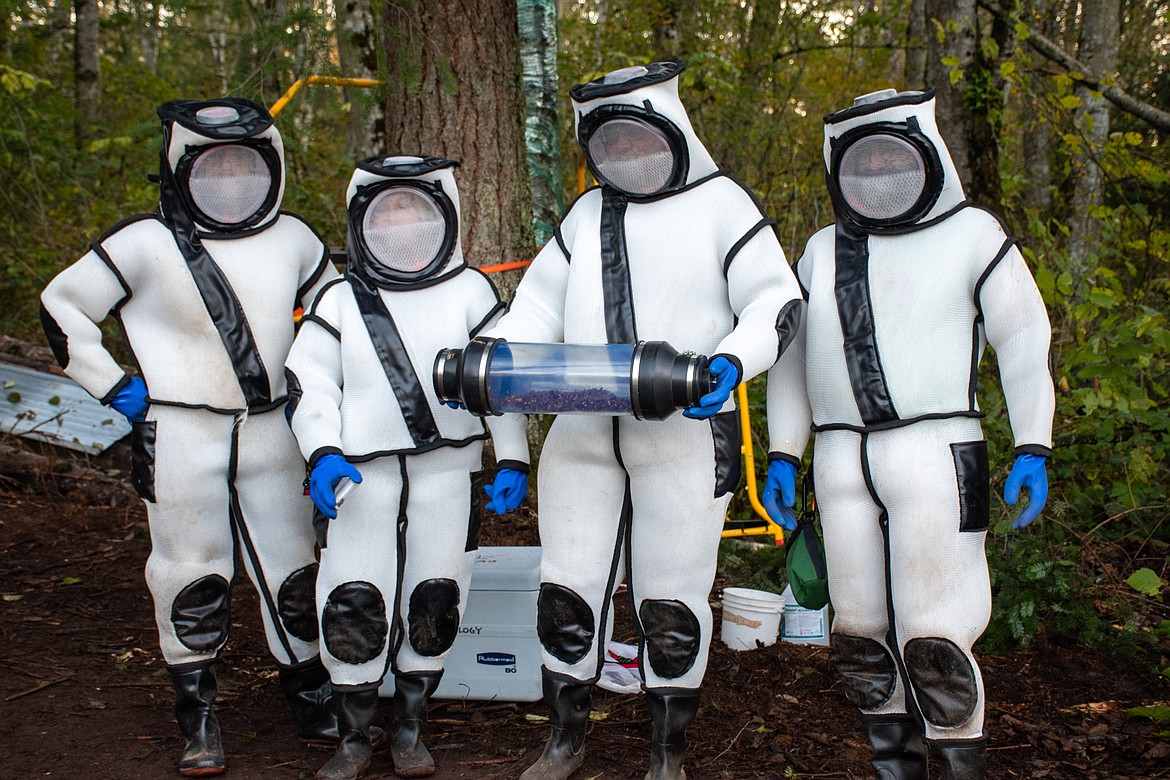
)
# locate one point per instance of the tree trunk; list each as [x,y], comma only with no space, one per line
[5,29]
[150,42]
[1100,33]
[538,53]
[358,47]
[968,106]
[916,45]
[453,83]
[1038,135]
[955,19]
[86,69]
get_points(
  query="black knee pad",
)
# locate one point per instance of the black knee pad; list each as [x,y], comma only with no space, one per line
[867,668]
[943,681]
[671,631]
[200,613]
[564,623]
[296,603]
[353,622]
[433,616]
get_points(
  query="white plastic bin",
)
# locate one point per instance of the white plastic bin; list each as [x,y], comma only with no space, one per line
[497,653]
[750,616]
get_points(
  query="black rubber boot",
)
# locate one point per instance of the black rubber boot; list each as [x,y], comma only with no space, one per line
[355,710]
[310,696]
[899,753]
[671,711]
[569,702]
[195,691]
[961,760]
[410,755]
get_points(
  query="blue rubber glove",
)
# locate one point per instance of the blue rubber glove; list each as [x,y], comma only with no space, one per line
[726,377]
[781,484]
[131,400]
[1029,473]
[328,471]
[506,493]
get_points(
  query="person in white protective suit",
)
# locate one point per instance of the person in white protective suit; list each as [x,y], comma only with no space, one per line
[204,291]
[669,248]
[903,294]
[396,559]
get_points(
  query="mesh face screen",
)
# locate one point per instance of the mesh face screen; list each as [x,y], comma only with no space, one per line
[229,183]
[881,176]
[632,156]
[403,229]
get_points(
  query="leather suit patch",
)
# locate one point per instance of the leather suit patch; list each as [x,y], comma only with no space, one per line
[725,429]
[971,470]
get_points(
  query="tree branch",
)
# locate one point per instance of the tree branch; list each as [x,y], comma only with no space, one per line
[1126,102]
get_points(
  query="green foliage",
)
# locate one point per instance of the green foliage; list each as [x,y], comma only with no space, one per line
[1034,584]
[59,195]
[1146,582]
[1158,713]
[758,565]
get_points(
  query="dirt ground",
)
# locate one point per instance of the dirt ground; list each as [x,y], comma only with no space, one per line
[85,693]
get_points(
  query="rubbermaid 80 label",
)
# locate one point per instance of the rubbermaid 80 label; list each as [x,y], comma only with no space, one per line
[495,659]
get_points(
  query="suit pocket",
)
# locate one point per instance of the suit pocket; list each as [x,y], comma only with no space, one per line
[971,469]
[475,516]
[728,447]
[142,458]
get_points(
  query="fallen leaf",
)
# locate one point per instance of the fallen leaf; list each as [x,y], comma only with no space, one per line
[1095,707]
[535,718]
[12,597]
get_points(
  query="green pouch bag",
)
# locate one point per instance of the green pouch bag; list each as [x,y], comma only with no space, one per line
[804,561]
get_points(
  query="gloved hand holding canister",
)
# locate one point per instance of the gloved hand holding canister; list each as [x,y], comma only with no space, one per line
[724,376]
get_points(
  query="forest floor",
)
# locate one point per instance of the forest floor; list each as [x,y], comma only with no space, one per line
[85,692]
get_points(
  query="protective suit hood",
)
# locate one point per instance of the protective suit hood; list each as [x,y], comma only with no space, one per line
[403,220]
[222,165]
[635,131]
[888,166]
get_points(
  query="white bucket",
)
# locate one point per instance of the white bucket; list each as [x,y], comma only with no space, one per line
[750,616]
[804,626]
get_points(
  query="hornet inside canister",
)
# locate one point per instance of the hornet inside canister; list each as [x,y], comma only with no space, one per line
[649,380]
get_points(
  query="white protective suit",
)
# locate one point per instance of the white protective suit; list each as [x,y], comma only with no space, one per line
[204,292]
[903,293]
[396,562]
[668,248]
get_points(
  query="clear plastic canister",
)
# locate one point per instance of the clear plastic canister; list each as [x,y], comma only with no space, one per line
[560,378]
[649,380]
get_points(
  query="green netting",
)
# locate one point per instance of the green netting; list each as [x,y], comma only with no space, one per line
[538,54]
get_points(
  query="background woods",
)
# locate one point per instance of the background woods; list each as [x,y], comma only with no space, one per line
[1057,113]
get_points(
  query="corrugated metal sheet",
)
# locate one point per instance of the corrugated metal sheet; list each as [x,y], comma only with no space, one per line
[56,410]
